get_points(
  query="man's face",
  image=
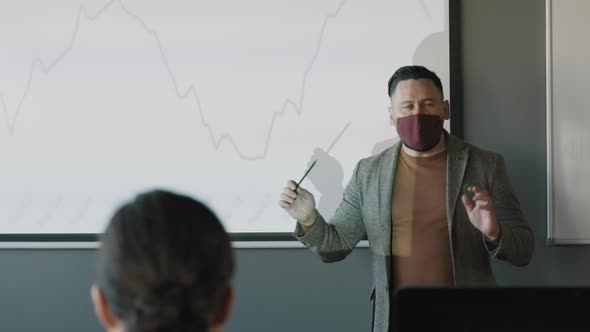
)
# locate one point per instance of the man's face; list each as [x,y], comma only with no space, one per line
[417,97]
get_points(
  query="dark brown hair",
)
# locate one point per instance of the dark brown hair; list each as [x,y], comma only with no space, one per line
[413,73]
[165,264]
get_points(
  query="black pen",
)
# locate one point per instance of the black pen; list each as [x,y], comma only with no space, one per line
[304,175]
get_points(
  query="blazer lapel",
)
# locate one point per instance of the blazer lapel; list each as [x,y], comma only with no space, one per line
[457,158]
[387,169]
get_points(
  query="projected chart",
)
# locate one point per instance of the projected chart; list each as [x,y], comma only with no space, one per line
[220,100]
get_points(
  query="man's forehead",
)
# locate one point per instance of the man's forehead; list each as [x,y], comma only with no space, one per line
[416,88]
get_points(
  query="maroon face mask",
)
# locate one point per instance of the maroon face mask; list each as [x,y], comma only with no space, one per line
[420,132]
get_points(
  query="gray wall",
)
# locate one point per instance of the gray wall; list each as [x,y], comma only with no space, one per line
[503,59]
[48,290]
[289,289]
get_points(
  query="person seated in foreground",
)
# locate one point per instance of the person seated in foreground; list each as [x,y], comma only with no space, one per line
[165,264]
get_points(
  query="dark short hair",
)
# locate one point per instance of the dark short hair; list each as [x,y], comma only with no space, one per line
[413,73]
[165,264]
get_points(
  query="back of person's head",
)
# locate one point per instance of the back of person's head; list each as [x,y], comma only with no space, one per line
[413,73]
[165,264]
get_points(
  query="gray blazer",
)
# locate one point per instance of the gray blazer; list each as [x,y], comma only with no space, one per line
[365,210]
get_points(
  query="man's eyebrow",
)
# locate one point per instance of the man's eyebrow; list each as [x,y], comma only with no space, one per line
[411,101]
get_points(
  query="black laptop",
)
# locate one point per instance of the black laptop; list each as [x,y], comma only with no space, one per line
[506,309]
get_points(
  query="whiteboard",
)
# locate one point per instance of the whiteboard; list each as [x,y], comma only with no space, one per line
[222,100]
[568,122]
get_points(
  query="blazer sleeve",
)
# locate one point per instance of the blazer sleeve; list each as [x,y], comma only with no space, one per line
[333,240]
[516,237]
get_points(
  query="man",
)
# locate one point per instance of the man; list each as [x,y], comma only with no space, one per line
[434,208]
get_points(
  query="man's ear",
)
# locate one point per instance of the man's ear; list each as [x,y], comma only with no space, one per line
[226,309]
[101,309]
[391,117]
[446,110]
